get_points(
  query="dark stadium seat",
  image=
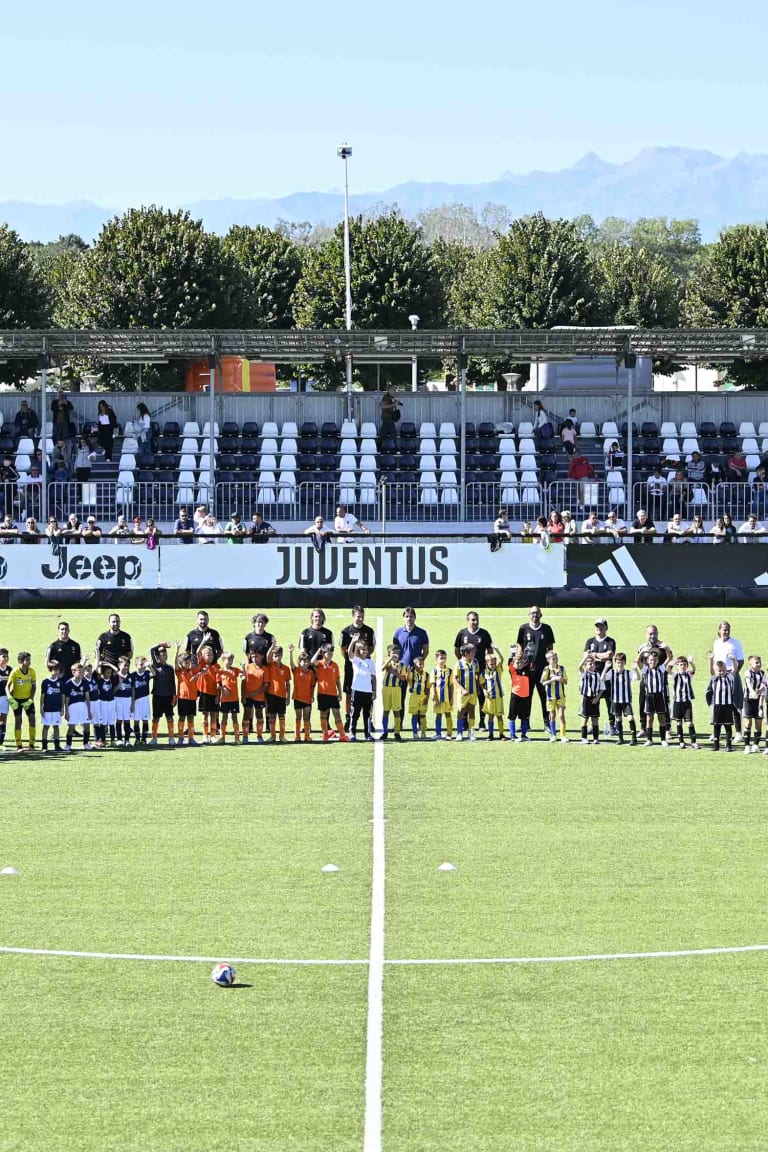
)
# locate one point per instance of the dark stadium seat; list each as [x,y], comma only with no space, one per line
[329,429]
[649,430]
[470,429]
[651,444]
[228,461]
[144,476]
[707,429]
[230,429]
[229,444]
[624,429]
[171,428]
[548,460]
[388,445]
[328,444]
[146,460]
[251,428]
[729,443]
[327,463]
[167,462]
[169,444]
[309,445]
[486,431]
[408,463]
[387,462]
[408,431]
[246,462]
[710,445]
[727,429]
[250,444]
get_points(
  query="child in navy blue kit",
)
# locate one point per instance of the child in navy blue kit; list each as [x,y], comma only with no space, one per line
[105,682]
[50,706]
[77,706]
[123,698]
[141,680]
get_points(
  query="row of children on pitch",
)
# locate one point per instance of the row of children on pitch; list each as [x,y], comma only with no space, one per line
[113,700]
[663,701]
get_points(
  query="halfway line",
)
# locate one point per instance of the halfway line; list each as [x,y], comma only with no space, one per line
[375,1024]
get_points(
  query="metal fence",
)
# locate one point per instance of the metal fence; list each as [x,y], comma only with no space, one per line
[382,503]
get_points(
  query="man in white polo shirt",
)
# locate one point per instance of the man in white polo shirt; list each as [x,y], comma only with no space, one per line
[731,651]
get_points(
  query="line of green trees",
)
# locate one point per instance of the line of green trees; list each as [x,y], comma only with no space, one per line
[152,268]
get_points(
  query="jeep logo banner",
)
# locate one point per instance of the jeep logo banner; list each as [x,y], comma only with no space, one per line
[427,563]
[77,566]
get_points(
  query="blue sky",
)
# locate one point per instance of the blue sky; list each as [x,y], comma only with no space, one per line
[170,102]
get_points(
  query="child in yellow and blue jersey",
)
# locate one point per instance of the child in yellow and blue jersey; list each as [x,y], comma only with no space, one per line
[442,695]
[493,693]
[553,680]
[465,676]
[418,685]
[20,687]
[392,676]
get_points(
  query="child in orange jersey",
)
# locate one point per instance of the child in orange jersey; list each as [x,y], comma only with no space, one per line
[229,695]
[278,692]
[329,692]
[255,674]
[186,697]
[304,680]
[207,680]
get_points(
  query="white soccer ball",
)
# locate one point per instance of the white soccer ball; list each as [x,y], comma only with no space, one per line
[224,975]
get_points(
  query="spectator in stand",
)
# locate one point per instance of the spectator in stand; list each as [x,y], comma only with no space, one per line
[121,530]
[760,491]
[656,485]
[235,530]
[58,473]
[152,535]
[736,471]
[729,528]
[71,530]
[614,527]
[8,471]
[346,523]
[569,528]
[200,514]
[210,530]
[643,528]
[107,422]
[556,527]
[679,493]
[390,412]
[677,530]
[143,427]
[62,452]
[25,422]
[90,532]
[138,534]
[52,529]
[31,490]
[31,533]
[82,460]
[579,468]
[718,532]
[751,532]
[260,529]
[697,468]
[502,530]
[61,417]
[697,531]
[590,529]
[8,530]
[319,534]
[184,528]
[569,437]
[614,457]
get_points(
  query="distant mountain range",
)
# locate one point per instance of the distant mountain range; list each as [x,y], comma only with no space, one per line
[672,182]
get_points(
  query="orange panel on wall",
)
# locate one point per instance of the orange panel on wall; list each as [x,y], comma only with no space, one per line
[237,375]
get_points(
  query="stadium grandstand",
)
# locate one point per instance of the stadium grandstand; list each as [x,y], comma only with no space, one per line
[449,459]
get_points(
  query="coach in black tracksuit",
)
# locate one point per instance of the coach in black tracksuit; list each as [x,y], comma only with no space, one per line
[204,636]
[536,639]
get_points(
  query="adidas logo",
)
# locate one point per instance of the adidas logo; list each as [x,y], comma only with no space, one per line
[621,571]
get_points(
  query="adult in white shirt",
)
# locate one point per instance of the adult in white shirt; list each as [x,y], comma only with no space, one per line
[209,530]
[363,687]
[751,530]
[731,651]
[590,528]
[345,523]
[677,530]
[614,526]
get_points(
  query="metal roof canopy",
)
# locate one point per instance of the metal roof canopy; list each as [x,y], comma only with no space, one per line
[295,346]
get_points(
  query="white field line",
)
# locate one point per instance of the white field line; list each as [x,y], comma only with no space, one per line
[375,1023]
[420,963]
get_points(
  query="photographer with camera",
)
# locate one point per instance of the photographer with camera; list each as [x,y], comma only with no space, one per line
[534,640]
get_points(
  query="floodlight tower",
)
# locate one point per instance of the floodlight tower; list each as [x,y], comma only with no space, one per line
[344,151]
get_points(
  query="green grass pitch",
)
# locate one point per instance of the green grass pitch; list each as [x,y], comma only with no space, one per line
[558,851]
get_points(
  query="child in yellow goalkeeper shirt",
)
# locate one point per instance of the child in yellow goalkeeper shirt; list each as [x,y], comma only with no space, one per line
[493,693]
[465,676]
[21,687]
[392,676]
[553,680]
[442,695]
[418,684]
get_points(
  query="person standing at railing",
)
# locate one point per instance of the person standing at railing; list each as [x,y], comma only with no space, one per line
[107,422]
